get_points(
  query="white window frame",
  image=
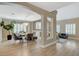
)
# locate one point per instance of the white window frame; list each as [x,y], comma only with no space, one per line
[19,27]
[58,28]
[38,25]
[70,29]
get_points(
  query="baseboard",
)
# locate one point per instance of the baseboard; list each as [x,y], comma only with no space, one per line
[47,45]
[73,38]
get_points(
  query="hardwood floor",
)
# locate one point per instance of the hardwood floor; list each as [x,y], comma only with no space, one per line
[61,48]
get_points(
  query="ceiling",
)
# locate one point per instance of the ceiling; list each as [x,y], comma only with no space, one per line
[51,6]
[18,12]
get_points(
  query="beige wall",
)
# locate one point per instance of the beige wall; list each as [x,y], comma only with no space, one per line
[69,21]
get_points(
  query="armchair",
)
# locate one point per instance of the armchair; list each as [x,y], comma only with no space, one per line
[17,37]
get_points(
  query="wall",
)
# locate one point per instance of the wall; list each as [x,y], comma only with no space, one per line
[70,21]
[68,12]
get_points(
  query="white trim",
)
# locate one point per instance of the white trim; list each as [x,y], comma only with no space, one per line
[44,46]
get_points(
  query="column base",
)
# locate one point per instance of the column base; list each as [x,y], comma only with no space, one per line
[47,45]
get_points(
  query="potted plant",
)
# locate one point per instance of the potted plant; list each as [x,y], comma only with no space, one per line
[8,27]
[2,24]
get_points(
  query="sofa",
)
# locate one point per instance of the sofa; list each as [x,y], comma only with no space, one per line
[63,35]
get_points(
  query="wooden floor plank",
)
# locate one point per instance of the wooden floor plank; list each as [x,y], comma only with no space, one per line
[66,48]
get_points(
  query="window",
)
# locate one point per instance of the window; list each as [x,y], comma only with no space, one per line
[38,25]
[58,28]
[70,28]
[20,27]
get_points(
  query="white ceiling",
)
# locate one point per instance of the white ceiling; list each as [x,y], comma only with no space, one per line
[51,6]
[69,12]
[17,12]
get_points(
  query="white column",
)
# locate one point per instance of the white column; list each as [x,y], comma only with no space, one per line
[43,30]
[44,41]
[53,25]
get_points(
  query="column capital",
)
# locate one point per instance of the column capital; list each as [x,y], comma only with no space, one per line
[53,13]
